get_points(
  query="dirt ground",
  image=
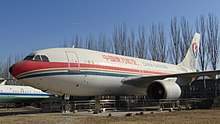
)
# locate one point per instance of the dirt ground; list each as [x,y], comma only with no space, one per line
[207,116]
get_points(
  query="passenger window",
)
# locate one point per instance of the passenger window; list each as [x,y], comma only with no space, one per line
[37,58]
[44,58]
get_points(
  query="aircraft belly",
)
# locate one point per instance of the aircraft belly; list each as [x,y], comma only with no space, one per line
[6,98]
[19,99]
[84,85]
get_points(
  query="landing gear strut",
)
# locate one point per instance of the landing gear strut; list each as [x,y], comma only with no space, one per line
[97,104]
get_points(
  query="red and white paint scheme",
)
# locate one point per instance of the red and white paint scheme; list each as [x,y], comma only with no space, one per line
[81,72]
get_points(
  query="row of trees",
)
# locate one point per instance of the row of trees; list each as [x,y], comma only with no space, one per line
[160,45]
[156,44]
[5,65]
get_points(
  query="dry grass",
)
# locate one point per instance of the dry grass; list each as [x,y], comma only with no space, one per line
[183,117]
[178,117]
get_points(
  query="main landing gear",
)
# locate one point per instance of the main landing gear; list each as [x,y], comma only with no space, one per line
[97,105]
[66,106]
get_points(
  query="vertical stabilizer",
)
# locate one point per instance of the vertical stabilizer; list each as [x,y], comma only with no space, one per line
[3,82]
[191,57]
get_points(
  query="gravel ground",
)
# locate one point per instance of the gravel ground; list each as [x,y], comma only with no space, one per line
[208,116]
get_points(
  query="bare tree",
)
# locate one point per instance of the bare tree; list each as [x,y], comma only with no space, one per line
[1,69]
[157,43]
[76,41]
[123,39]
[120,39]
[115,40]
[212,32]
[176,41]
[153,43]
[8,65]
[201,28]
[103,43]
[90,42]
[187,37]
[4,66]
[64,44]
[140,47]
[162,46]
[130,46]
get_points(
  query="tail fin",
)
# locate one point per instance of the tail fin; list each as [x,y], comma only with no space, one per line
[191,57]
[3,82]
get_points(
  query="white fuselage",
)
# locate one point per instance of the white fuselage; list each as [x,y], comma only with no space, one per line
[81,72]
[21,94]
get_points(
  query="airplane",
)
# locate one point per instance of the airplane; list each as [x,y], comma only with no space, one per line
[20,94]
[82,72]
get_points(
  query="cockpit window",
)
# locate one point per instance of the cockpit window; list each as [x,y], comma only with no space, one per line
[44,58]
[29,57]
[37,58]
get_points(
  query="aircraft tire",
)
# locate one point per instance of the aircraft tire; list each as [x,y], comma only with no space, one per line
[67,107]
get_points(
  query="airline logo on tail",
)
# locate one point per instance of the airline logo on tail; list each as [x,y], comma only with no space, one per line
[195,49]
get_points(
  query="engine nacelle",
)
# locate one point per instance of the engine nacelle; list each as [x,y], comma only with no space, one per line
[163,89]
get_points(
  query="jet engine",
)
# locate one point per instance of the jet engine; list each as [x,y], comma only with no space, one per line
[163,89]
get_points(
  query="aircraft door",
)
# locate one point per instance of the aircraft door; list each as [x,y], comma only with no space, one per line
[73,62]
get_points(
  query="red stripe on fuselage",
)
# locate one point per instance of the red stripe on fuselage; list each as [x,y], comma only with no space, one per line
[26,66]
[119,69]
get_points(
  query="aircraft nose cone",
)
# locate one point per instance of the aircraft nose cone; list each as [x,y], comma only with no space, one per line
[11,69]
[16,69]
[19,69]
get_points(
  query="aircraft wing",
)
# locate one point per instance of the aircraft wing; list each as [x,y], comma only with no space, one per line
[144,80]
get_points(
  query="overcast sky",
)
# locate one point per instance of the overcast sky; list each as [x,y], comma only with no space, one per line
[27,25]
